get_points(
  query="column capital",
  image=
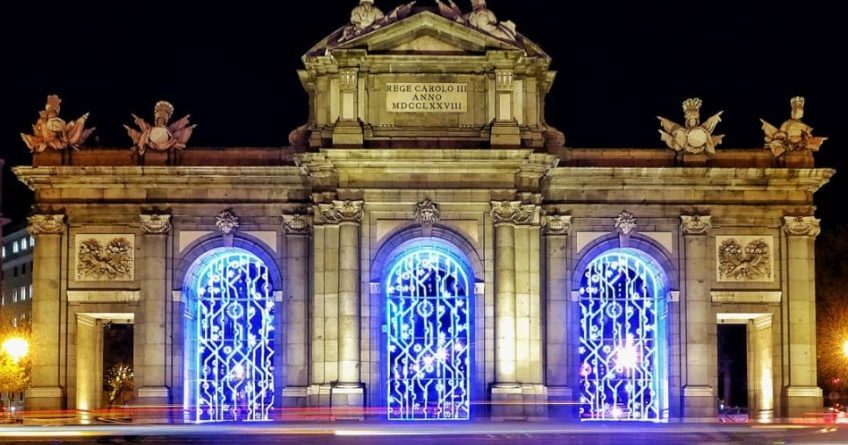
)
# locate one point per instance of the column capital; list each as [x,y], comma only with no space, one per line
[297,224]
[155,223]
[339,212]
[557,225]
[808,226]
[348,79]
[504,79]
[515,213]
[696,225]
[46,224]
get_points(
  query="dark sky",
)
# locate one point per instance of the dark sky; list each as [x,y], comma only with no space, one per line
[232,66]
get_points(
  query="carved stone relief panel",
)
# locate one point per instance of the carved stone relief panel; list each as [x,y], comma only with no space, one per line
[104,257]
[745,259]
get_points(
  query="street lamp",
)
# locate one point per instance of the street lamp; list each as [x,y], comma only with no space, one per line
[16,347]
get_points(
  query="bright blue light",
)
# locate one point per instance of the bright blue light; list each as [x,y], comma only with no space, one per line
[622,341]
[429,340]
[231,339]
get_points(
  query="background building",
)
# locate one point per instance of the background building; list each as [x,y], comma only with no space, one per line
[16,302]
[426,241]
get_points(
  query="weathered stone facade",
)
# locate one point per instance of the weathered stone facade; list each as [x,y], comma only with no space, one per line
[362,183]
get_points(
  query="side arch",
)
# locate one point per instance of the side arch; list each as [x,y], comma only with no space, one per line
[188,263]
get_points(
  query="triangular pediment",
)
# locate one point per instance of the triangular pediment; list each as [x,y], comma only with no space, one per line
[427,32]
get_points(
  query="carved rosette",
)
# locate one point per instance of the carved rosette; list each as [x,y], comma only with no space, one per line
[696,225]
[625,224]
[802,226]
[155,224]
[427,213]
[514,212]
[297,224]
[557,224]
[340,212]
[227,222]
[46,224]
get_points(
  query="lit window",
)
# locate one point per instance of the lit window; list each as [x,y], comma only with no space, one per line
[15,247]
[15,322]
[24,291]
[32,241]
[24,244]
[30,292]
[4,251]
[3,300]
[15,296]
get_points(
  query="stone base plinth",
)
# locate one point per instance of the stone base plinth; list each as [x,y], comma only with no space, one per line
[506,135]
[519,402]
[154,401]
[340,402]
[699,404]
[348,134]
[802,402]
[45,398]
[561,403]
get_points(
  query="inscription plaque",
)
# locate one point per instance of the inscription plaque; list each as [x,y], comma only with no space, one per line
[427,97]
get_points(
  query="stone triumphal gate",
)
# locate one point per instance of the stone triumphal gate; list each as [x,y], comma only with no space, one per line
[424,244]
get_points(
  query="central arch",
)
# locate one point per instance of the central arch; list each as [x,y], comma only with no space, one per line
[428,298]
[229,337]
[623,335]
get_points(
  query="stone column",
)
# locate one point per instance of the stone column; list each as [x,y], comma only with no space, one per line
[799,314]
[149,335]
[505,130]
[348,130]
[297,229]
[518,361]
[557,229]
[341,300]
[699,401]
[45,392]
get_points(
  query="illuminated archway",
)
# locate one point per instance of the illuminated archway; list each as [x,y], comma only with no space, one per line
[428,293]
[229,358]
[623,357]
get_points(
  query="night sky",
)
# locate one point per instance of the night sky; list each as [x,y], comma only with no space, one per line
[232,66]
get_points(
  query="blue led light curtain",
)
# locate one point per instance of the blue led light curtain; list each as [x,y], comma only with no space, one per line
[232,339]
[622,340]
[429,340]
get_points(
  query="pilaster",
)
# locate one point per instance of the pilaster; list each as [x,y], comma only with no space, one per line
[699,401]
[46,391]
[802,394]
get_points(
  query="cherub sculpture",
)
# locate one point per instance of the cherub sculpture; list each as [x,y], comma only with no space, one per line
[160,136]
[50,131]
[367,17]
[482,18]
[793,135]
[693,137]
